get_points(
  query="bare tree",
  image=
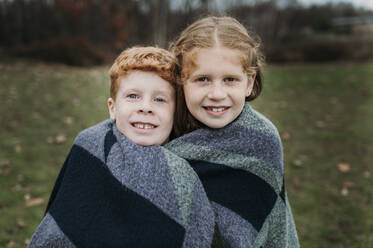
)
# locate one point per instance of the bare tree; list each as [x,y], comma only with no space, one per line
[160,9]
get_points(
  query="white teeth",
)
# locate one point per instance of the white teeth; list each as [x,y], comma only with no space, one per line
[216,109]
[138,125]
[147,126]
[143,126]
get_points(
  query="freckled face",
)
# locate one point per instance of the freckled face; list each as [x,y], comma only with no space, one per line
[215,90]
[144,108]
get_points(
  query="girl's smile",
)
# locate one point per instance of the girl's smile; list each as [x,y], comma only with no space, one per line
[216,110]
[216,88]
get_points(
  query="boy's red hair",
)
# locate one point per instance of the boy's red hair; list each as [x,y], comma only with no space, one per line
[149,59]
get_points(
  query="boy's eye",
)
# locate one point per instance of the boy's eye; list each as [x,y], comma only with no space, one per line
[202,79]
[133,96]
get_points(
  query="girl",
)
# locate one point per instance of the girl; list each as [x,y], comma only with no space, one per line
[235,151]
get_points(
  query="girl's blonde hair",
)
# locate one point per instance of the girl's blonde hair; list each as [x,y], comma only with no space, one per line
[210,32]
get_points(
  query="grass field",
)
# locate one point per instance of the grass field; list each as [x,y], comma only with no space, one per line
[324,114]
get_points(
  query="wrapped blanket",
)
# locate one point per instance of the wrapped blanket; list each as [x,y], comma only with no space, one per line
[113,193]
[241,168]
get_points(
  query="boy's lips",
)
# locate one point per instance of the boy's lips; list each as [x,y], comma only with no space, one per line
[216,110]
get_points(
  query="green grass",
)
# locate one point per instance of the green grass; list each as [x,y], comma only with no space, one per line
[323,112]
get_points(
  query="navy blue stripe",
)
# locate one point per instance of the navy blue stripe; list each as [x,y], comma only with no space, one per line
[282,193]
[95,210]
[109,142]
[240,191]
[245,141]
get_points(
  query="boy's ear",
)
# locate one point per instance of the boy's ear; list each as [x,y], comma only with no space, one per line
[250,84]
[111,107]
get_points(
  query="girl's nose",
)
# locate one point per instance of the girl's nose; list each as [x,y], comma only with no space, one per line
[217,92]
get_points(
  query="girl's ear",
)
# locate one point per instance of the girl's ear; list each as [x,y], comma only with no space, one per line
[111,107]
[250,84]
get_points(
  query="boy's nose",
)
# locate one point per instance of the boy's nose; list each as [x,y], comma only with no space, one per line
[145,108]
[217,93]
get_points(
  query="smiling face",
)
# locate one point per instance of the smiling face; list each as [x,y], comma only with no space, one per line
[216,87]
[144,108]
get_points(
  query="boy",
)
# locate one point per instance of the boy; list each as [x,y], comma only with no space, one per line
[142,95]
[118,187]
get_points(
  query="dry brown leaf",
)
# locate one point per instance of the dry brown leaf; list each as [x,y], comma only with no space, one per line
[34,202]
[11,244]
[5,171]
[348,184]
[50,140]
[344,167]
[18,148]
[285,136]
[20,223]
[60,139]
[298,163]
[4,163]
[366,174]
[27,242]
[68,120]
[320,124]
[344,192]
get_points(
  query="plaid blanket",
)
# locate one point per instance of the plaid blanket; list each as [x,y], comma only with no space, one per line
[113,193]
[241,168]
[209,188]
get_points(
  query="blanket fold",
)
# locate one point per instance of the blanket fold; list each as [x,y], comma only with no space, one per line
[241,169]
[209,188]
[114,193]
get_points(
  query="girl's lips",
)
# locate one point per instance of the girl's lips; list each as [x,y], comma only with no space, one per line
[216,110]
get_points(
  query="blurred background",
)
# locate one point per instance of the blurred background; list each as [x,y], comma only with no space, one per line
[318,91]
[89,32]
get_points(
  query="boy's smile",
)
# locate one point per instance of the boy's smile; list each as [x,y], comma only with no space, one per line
[215,90]
[144,108]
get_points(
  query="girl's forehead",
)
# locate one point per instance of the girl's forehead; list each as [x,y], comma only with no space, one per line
[200,56]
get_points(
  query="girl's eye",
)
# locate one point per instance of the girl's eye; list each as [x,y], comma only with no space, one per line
[133,96]
[159,99]
[230,79]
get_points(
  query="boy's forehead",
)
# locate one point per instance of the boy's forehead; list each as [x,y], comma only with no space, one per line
[148,80]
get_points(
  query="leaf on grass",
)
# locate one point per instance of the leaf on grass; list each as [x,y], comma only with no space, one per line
[20,223]
[50,140]
[5,171]
[68,120]
[27,242]
[11,244]
[344,167]
[298,163]
[4,163]
[344,191]
[18,148]
[348,184]
[60,139]
[34,202]
[27,197]
[36,115]
[285,136]
[320,124]
[5,168]
[366,174]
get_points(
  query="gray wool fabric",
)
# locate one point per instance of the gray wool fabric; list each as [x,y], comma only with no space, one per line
[248,148]
[153,173]
[211,188]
